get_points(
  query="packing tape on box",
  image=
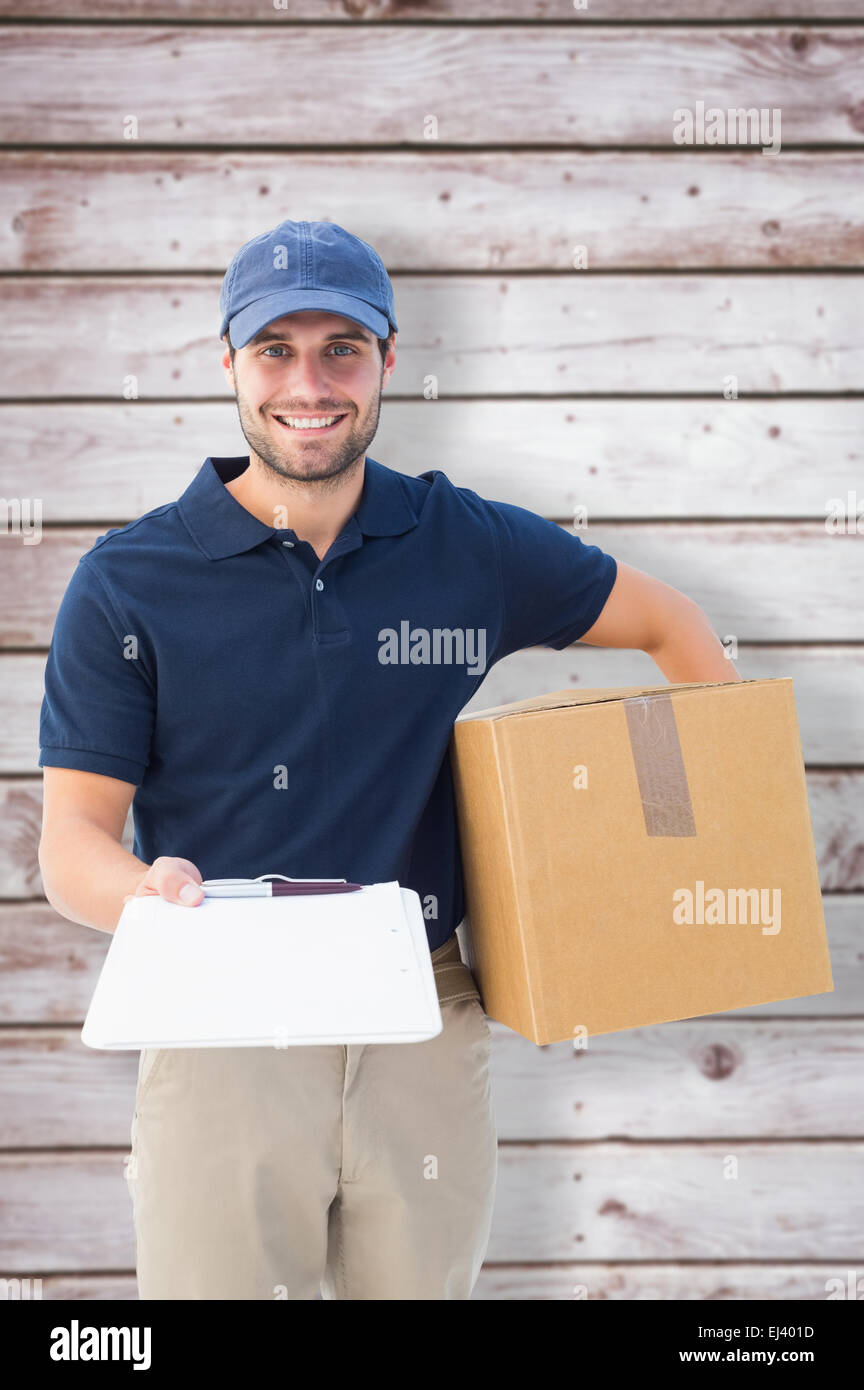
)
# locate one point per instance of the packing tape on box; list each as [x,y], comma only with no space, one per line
[659,764]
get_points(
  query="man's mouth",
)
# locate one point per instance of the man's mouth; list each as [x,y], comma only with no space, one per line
[309,424]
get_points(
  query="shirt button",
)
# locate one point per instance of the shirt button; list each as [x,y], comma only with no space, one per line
[319,583]
[291,543]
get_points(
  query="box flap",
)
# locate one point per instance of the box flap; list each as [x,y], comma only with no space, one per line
[562,699]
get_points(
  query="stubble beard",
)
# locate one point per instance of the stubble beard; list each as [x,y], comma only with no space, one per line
[307,462]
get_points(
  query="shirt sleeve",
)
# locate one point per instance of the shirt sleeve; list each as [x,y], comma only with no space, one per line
[553,585]
[98,708]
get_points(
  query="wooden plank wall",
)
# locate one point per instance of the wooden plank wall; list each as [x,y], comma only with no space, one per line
[697,385]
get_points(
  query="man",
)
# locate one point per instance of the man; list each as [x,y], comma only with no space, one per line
[261,665]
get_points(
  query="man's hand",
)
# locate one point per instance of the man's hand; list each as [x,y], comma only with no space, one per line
[175,880]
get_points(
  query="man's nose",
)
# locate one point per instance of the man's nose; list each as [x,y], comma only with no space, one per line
[308,377]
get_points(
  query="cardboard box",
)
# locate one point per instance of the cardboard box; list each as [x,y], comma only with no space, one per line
[638,855]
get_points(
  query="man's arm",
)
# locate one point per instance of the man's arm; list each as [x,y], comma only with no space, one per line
[86,872]
[644,613]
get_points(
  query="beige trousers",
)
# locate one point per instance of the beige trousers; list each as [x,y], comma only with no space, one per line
[362,1171]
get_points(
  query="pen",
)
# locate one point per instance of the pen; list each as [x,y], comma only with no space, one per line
[289,887]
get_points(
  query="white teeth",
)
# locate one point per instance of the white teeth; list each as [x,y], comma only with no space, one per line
[308,422]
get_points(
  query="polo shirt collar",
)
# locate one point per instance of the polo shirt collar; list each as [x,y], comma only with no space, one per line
[220,526]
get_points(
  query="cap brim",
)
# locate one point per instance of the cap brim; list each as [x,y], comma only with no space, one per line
[243,327]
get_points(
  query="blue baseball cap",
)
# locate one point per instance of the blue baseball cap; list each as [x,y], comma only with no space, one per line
[305,265]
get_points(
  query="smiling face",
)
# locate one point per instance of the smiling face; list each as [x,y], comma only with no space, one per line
[308,390]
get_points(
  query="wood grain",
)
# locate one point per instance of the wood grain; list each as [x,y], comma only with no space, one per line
[836,809]
[50,968]
[701,1282]
[555,85]
[551,389]
[706,1282]
[606,1201]
[828,684]
[565,335]
[82,210]
[711,1078]
[756,581]
[389,11]
[623,460]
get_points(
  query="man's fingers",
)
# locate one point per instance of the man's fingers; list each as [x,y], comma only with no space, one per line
[176,880]
[191,870]
[177,887]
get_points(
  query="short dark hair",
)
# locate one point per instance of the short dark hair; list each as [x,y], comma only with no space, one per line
[383,345]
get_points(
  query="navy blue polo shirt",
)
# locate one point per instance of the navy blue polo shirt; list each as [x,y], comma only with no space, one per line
[278,713]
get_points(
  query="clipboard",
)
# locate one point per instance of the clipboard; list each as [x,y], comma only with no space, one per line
[267,972]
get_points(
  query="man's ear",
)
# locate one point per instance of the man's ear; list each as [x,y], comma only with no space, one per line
[227,365]
[389,361]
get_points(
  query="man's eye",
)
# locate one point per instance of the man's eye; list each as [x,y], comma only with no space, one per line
[278,348]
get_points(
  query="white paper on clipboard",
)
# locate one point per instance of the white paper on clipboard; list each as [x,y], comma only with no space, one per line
[258,972]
